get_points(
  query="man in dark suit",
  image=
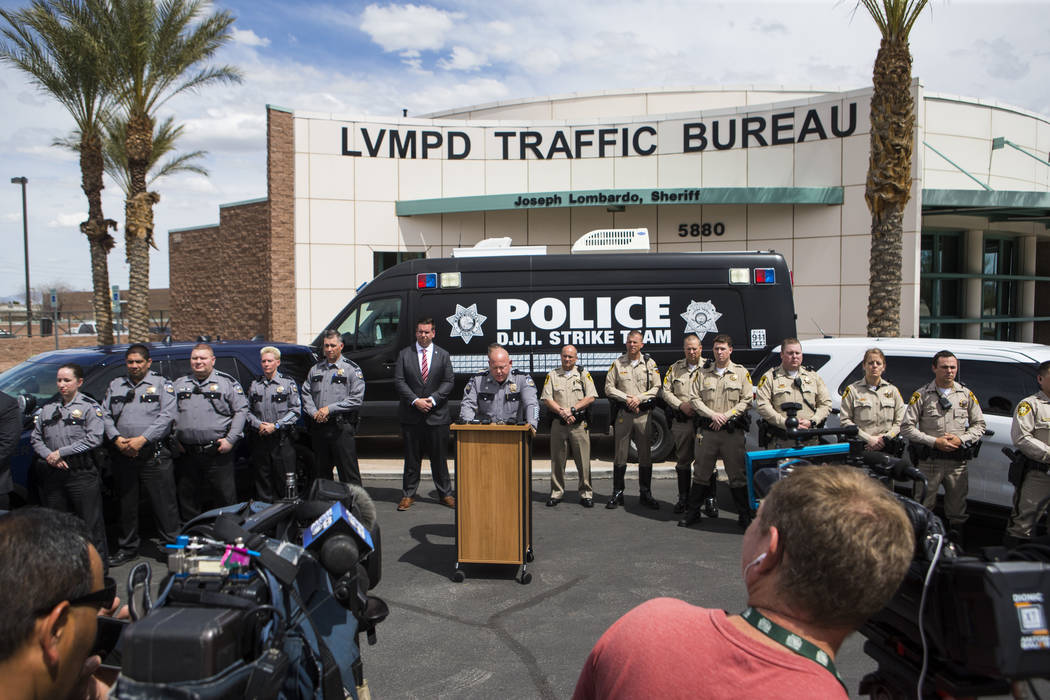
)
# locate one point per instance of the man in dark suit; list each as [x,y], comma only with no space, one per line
[10,434]
[423,379]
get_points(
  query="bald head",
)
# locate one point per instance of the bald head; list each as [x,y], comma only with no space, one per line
[568,357]
[499,363]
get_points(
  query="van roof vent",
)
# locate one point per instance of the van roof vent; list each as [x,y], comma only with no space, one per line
[613,240]
[495,247]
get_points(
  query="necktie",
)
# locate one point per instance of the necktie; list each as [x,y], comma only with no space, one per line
[426,370]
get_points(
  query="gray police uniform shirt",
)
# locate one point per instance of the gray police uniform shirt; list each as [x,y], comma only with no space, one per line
[209,409]
[514,400]
[339,386]
[147,408]
[273,401]
[72,429]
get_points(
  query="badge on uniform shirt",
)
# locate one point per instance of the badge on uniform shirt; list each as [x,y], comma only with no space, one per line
[151,390]
[512,387]
[76,413]
[1023,409]
[213,387]
[340,371]
[732,377]
[280,388]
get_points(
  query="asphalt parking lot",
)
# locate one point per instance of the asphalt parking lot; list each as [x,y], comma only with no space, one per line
[492,637]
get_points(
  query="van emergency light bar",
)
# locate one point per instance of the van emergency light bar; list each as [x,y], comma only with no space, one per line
[454,280]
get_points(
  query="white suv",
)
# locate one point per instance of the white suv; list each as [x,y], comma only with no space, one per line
[1000,374]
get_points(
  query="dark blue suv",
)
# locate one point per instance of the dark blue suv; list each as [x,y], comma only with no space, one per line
[36,377]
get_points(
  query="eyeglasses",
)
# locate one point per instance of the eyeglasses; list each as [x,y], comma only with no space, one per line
[101,599]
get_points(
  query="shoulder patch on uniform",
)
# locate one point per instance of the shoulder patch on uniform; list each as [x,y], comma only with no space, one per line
[914,398]
[237,388]
[845,393]
[974,399]
[169,388]
[1023,409]
[98,411]
[762,380]
[587,375]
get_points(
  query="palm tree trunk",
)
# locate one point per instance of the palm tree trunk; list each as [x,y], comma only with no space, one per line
[138,223]
[889,183]
[96,228]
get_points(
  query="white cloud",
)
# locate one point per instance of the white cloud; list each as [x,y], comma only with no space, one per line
[463,59]
[248,38]
[67,220]
[412,27]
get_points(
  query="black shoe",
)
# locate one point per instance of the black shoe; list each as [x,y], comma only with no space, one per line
[587,502]
[615,499]
[711,507]
[683,500]
[552,501]
[121,558]
[646,499]
[690,519]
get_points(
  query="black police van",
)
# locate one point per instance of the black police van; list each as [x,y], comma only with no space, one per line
[35,379]
[535,304]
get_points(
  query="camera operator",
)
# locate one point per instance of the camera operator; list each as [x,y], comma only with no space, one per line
[828,548]
[1030,433]
[51,593]
[943,424]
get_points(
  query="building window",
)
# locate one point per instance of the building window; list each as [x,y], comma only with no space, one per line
[999,297]
[385,260]
[940,300]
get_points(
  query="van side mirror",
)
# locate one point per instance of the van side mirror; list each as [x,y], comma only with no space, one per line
[27,404]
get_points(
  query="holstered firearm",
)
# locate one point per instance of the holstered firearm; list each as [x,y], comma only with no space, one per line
[968,451]
[1020,465]
[740,421]
[767,431]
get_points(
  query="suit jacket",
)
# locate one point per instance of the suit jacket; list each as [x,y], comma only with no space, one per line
[10,434]
[408,382]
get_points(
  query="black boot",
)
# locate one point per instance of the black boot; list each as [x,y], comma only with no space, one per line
[645,493]
[684,480]
[619,476]
[697,496]
[743,506]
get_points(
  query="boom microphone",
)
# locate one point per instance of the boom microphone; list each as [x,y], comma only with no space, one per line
[897,469]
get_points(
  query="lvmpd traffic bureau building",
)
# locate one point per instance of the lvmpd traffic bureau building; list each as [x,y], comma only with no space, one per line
[701,169]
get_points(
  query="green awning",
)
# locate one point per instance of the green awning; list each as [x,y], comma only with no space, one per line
[622,198]
[994,205]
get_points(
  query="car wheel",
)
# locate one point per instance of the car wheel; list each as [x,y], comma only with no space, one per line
[660,441]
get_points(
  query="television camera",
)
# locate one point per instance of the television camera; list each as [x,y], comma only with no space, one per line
[958,626]
[260,601]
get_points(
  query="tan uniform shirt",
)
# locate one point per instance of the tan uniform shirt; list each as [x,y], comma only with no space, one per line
[678,384]
[925,421]
[1030,430]
[568,388]
[776,388]
[641,380]
[874,412]
[730,393]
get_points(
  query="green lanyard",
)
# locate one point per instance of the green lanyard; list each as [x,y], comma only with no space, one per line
[786,638]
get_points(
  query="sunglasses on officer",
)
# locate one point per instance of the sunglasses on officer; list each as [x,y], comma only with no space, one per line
[101,599]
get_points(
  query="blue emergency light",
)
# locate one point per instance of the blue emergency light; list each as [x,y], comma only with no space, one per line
[427,280]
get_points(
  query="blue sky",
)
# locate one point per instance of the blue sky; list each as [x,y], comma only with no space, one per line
[356,58]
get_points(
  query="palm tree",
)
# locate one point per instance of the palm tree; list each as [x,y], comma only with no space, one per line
[889,168]
[44,40]
[153,50]
[165,137]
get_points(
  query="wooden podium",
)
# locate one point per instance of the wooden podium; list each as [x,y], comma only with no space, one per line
[493,496]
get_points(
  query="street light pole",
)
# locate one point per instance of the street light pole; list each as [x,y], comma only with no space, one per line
[23,181]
